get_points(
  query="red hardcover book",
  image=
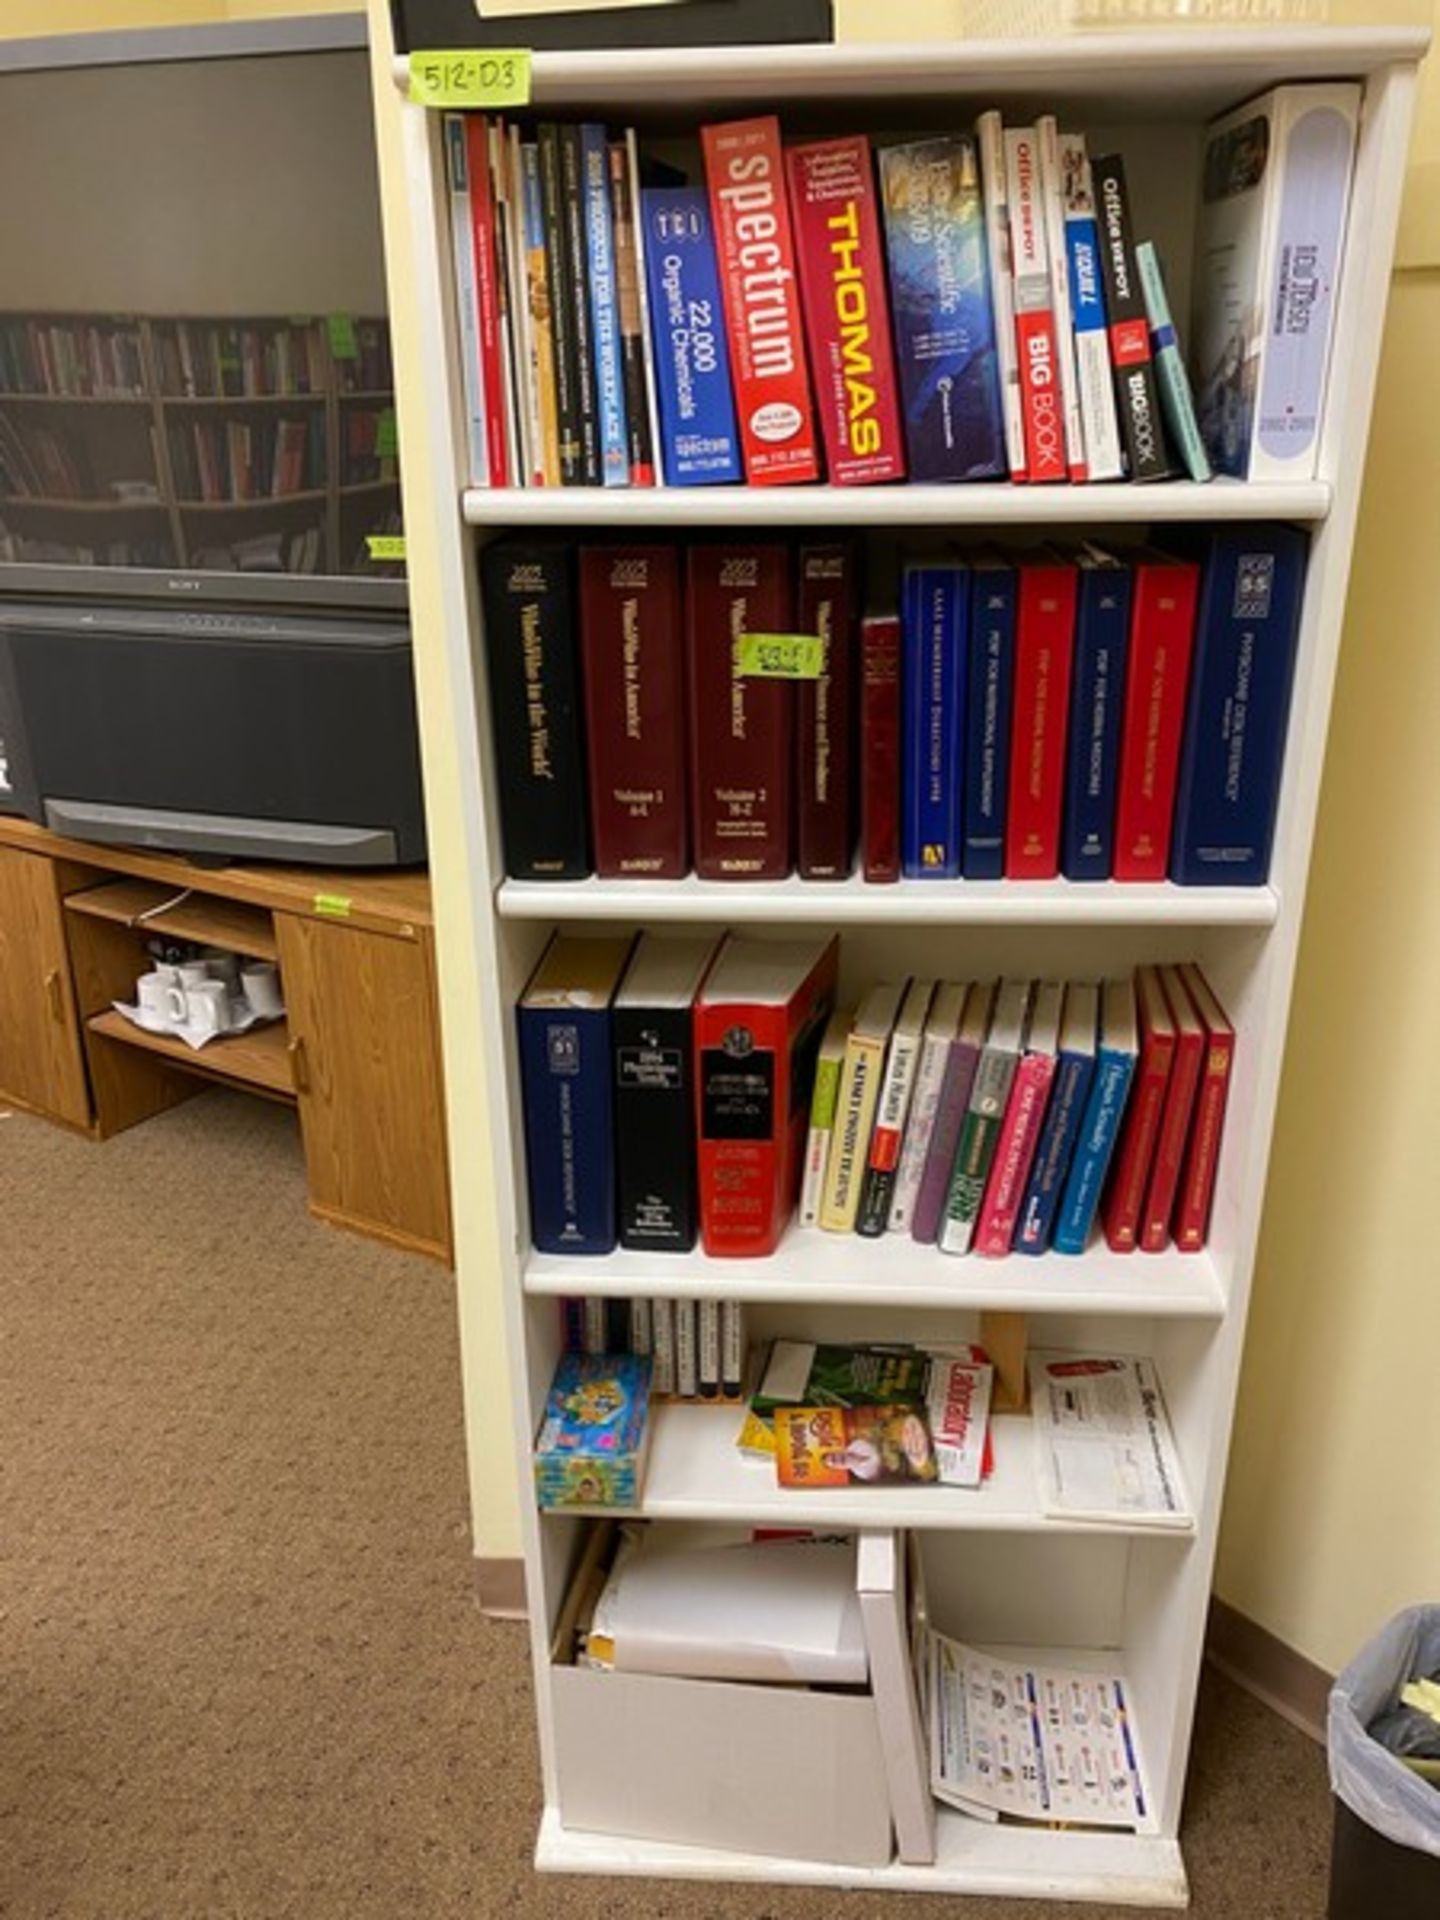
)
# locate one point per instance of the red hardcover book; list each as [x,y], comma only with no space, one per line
[759,1020]
[756,253]
[824,716]
[1202,1155]
[1175,1120]
[880,746]
[741,728]
[487,294]
[1035,339]
[1044,653]
[847,313]
[630,650]
[1135,1149]
[1162,628]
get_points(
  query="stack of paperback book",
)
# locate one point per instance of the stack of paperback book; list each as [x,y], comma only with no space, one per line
[696,1347]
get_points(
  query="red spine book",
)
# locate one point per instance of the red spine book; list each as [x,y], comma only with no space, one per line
[1035,339]
[1202,1156]
[487,294]
[1014,1152]
[1044,652]
[759,1021]
[880,746]
[847,314]
[741,728]
[756,254]
[630,649]
[1135,1150]
[1175,1120]
[1162,627]
[824,717]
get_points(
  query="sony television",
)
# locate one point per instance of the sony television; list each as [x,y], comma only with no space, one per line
[204,643]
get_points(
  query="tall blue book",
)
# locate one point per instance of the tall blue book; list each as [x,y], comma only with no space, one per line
[934,619]
[604,306]
[1069,1094]
[1097,703]
[1246,632]
[987,715]
[699,439]
[1100,1123]
[566,1081]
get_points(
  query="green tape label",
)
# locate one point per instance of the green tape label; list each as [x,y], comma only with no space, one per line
[334,906]
[343,344]
[387,435]
[780,656]
[496,77]
[385,546]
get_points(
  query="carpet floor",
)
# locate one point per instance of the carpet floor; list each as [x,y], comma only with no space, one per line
[241,1672]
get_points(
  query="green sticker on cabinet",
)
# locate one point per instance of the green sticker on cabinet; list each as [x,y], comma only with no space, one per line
[385,546]
[780,656]
[387,435]
[494,77]
[343,343]
[334,906]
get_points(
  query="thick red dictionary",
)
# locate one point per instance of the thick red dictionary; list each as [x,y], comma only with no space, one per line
[487,294]
[759,1020]
[1162,630]
[742,746]
[631,649]
[1202,1155]
[1135,1149]
[825,715]
[880,746]
[1175,1120]
[846,306]
[1044,654]
[761,296]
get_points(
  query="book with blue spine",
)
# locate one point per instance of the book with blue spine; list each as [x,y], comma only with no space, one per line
[1069,1097]
[987,715]
[1097,705]
[935,617]
[604,306]
[699,437]
[1176,400]
[564,1020]
[1103,458]
[1095,1143]
[1247,630]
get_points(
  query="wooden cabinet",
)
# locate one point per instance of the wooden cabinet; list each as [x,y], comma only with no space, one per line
[42,1064]
[365,1057]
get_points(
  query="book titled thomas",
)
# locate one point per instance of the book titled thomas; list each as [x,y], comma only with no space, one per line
[853,1446]
[590,1450]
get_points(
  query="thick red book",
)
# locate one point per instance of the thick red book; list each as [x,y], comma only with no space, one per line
[759,1020]
[487,294]
[1202,1154]
[825,715]
[761,296]
[742,747]
[631,650]
[1162,629]
[880,746]
[1135,1149]
[1044,654]
[1175,1120]
[846,306]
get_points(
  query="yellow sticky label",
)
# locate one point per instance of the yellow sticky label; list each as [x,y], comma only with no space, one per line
[335,906]
[343,343]
[491,77]
[385,546]
[780,656]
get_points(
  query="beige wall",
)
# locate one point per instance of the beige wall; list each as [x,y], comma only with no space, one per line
[29,17]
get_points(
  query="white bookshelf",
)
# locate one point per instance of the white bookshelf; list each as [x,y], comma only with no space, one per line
[998,1570]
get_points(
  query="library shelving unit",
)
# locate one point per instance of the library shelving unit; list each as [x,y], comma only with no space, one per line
[997,1570]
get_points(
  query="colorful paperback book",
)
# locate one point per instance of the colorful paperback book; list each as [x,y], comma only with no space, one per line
[934,618]
[699,440]
[941,308]
[1069,1099]
[542,331]
[1097,697]
[799,1373]
[941,1029]
[612,427]
[893,1110]
[990,142]
[1176,401]
[861,1073]
[1096,390]
[957,1407]
[1020,1130]
[950,1110]
[823,1102]
[590,1450]
[980,1134]
[1052,190]
[577,253]
[559,275]
[1036,345]
[1100,1124]
[853,1446]
[988,704]
[1137,397]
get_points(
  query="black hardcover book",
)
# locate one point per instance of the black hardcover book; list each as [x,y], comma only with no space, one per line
[572,204]
[557,269]
[536,710]
[421,24]
[652,1029]
[1137,397]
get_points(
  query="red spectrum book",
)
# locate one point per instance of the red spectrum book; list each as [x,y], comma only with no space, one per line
[630,649]
[759,1020]
[1135,1149]
[741,741]
[756,255]
[1044,652]
[1197,1179]
[847,314]
[880,746]
[1162,628]
[824,716]
[487,294]
[1175,1120]
[1020,1129]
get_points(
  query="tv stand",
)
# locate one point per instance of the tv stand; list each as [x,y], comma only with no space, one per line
[357,1055]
